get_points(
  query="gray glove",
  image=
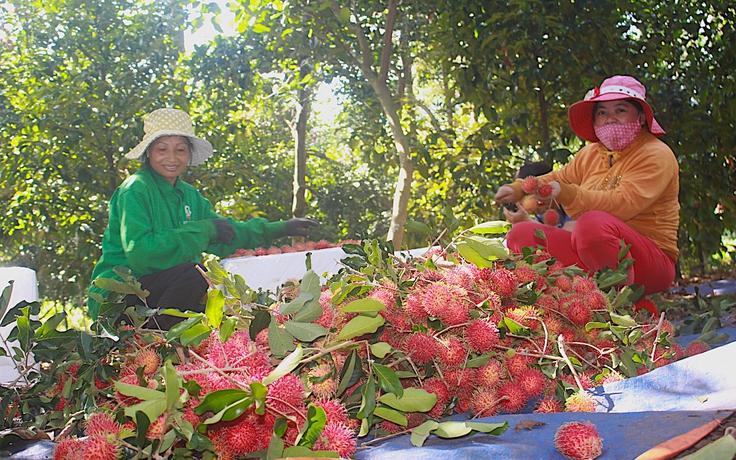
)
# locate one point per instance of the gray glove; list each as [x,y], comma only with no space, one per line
[225,230]
[299,226]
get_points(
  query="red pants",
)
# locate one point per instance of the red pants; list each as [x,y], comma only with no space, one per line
[595,244]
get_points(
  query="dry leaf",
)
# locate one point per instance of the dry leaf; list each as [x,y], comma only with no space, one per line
[527,425]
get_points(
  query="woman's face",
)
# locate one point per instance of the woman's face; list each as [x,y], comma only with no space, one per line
[619,112]
[169,156]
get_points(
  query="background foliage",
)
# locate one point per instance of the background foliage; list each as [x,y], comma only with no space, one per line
[479,87]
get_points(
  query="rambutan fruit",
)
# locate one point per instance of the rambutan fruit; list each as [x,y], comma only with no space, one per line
[101,448]
[527,316]
[551,217]
[285,394]
[324,244]
[321,382]
[446,302]
[148,360]
[548,405]
[421,346]
[696,347]
[544,190]
[579,441]
[102,423]
[577,312]
[481,335]
[452,351]
[505,282]
[484,403]
[515,397]
[338,438]
[334,410]
[563,283]
[529,184]
[261,252]
[242,438]
[489,375]
[69,449]
[157,428]
[274,250]
[580,401]
[532,381]
[525,273]
[529,203]
[517,364]
[596,300]
[583,284]
[458,378]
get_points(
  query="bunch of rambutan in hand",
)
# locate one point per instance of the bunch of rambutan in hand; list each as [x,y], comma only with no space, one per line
[535,192]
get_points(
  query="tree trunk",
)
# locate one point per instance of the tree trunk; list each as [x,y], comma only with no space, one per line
[299,131]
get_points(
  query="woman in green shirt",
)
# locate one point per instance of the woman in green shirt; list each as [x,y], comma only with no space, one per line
[159,225]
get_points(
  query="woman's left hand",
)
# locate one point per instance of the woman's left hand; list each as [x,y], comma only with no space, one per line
[554,194]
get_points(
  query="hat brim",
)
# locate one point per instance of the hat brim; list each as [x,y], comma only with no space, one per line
[201,149]
[580,115]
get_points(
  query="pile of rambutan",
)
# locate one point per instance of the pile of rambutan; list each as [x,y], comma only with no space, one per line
[287,248]
[522,334]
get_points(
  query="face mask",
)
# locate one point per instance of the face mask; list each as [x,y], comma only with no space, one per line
[618,136]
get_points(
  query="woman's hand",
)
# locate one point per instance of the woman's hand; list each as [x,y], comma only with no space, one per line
[299,226]
[520,215]
[554,194]
[505,194]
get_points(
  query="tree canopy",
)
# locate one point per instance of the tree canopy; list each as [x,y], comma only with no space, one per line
[441,102]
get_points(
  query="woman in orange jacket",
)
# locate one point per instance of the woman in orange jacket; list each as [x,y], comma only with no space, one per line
[624,185]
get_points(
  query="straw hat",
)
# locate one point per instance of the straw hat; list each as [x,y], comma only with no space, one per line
[171,122]
[615,88]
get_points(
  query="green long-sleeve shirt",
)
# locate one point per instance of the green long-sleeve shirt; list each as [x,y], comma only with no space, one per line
[154,226]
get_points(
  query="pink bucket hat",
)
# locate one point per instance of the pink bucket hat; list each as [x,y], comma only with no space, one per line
[615,88]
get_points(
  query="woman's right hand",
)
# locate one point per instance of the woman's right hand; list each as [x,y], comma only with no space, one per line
[505,194]
[225,230]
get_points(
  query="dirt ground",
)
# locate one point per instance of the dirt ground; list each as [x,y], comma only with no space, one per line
[714,435]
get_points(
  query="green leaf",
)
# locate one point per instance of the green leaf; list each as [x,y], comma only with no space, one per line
[479,361]
[488,248]
[219,399]
[141,423]
[113,285]
[279,340]
[152,408]
[452,429]
[287,365]
[315,424]
[261,320]
[365,305]
[305,332]
[623,320]
[344,15]
[195,335]
[258,392]
[413,400]
[421,433]
[495,227]
[360,325]
[417,227]
[310,284]
[380,349]
[496,429]
[387,380]
[368,400]
[137,391]
[214,308]
[351,372]
[310,312]
[723,448]
[296,304]
[391,415]
[472,256]
[173,384]
[227,328]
